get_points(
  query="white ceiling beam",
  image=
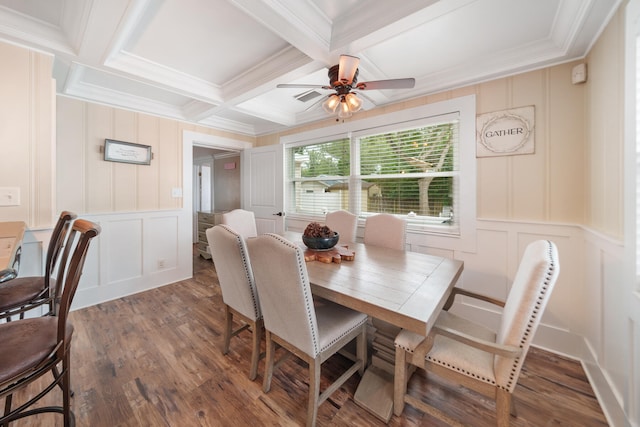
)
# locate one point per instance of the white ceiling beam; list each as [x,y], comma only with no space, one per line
[299,23]
[373,22]
[26,30]
[283,67]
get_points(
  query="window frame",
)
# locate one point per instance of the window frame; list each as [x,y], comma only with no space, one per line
[465,108]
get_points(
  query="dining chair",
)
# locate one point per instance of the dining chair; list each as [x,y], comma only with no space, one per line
[242,221]
[345,223]
[22,294]
[385,230]
[36,346]
[477,357]
[239,294]
[311,332]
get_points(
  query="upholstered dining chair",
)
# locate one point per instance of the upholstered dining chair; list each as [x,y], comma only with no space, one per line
[388,231]
[292,321]
[385,230]
[343,222]
[239,294]
[25,293]
[479,358]
[37,346]
[242,221]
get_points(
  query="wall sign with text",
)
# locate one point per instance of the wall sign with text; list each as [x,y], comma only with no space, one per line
[127,152]
[507,132]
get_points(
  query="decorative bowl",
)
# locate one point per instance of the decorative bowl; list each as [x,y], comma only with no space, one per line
[321,243]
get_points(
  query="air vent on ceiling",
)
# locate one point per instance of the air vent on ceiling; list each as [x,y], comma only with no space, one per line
[307,96]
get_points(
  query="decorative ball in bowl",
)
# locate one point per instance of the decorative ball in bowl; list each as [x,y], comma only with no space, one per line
[321,243]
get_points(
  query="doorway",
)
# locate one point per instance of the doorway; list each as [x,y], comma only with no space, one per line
[195,142]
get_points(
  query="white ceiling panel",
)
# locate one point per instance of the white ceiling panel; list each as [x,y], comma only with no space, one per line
[218,62]
[205,39]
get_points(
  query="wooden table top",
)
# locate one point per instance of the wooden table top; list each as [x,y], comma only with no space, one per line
[407,289]
[11,234]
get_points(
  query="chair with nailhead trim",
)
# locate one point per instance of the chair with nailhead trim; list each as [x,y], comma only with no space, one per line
[312,332]
[231,260]
[474,356]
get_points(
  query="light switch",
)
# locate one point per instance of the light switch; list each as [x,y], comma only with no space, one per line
[176,192]
[9,196]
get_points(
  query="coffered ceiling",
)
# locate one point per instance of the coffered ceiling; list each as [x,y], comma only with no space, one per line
[217,62]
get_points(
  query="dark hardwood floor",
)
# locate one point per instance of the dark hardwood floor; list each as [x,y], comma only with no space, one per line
[153,359]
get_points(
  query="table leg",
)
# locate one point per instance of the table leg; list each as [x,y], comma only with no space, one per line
[375,390]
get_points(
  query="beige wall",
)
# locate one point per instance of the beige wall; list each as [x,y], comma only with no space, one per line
[88,184]
[226,184]
[547,186]
[550,185]
[604,105]
[27,126]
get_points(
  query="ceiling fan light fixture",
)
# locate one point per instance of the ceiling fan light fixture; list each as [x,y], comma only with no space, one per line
[347,68]
[330,104]
[354,103]
[344,112]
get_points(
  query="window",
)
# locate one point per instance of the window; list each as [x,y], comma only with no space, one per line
[318,175]
[410,172]
[410,163]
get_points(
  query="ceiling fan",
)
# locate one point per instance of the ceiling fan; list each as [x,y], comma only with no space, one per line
[343,78]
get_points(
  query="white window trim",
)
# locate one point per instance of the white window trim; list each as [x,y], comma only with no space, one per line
[466,108]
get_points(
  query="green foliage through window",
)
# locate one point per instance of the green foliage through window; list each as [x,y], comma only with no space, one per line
[409,172]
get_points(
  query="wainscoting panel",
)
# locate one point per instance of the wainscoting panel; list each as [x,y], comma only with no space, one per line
[162,252]
[135,252]
[124,254]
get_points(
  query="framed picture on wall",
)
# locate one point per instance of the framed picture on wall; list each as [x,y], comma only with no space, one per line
[127,152]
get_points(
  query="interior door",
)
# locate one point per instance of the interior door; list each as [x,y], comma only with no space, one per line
[263,186]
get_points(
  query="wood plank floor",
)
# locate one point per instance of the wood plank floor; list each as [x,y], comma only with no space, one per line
[153,359]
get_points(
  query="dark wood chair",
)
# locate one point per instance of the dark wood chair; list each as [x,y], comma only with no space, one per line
[22,294]
[34,347]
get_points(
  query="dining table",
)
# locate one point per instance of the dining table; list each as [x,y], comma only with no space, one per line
[397,289]
[11,235]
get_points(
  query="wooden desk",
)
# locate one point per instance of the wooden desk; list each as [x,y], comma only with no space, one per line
[11,234]
[405,289]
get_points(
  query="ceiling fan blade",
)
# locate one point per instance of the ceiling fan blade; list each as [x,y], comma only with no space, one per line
[387,84]
[301,86]
[348,66]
